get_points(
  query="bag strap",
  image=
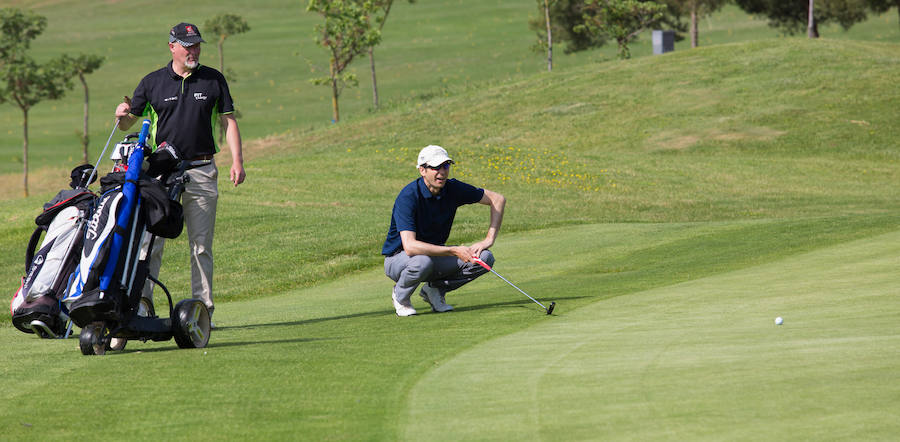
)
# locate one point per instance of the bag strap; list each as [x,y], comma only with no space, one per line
[32,245]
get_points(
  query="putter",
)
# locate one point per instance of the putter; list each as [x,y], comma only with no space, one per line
[485,265]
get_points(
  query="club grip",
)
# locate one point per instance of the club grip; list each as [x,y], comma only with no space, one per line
[145,130]
[480,262]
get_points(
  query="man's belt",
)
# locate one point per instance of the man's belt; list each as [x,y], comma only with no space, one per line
[202,158]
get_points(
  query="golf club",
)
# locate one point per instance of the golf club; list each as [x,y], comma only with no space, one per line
[484,264]
[100,158]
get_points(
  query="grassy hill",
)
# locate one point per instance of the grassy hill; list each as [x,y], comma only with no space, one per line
[770,129]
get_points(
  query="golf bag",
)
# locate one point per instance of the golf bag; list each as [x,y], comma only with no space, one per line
[132,211]
[36,306]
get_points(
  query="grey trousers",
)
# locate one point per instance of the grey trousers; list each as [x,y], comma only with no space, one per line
[199,199]
[445,273]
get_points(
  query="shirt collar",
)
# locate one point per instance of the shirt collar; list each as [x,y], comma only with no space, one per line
[175,74]
[423,189]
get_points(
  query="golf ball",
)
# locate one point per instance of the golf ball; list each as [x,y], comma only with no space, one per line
[779,321]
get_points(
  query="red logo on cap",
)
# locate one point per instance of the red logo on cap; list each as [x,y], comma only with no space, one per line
[189,29]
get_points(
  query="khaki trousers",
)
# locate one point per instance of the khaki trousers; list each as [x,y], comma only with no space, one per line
[201,194]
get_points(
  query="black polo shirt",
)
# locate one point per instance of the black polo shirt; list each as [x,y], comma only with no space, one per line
[183,111]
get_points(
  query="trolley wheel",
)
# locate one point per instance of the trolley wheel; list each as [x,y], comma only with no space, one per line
[91,340]
[190,324]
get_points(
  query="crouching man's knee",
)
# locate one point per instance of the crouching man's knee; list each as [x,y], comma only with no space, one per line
[487,257]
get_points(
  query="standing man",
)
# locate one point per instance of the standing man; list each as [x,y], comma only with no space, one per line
[184,100]
[415,250]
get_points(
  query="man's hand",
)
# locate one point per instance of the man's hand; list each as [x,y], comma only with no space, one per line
[476,249]
[237,173]
[123,114]
[462,252]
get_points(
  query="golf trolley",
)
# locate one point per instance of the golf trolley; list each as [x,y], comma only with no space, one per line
[138,204]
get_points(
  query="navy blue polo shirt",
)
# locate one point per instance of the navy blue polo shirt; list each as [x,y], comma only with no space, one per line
[183,111]
[430,216]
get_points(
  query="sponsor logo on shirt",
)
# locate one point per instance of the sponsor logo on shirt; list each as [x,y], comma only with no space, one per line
[199,96]
[171,99]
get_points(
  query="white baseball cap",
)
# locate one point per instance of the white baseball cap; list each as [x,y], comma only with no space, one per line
[433,156]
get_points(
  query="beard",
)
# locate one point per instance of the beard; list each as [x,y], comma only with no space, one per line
[191,64]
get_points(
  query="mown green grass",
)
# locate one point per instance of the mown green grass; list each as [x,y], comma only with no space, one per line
[332,361]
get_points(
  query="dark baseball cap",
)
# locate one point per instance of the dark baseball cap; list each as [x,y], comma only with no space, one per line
[185,34]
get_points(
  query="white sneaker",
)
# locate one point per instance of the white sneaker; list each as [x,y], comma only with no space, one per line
[402,309]
[434,298]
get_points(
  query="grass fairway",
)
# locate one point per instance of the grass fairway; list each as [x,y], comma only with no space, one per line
[695,360]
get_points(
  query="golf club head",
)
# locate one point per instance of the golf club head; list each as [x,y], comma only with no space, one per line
[552,306]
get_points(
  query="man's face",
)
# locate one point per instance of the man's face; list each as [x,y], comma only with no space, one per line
[189,56]
[435,177]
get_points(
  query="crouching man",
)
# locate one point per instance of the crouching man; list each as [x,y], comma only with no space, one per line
[415,250]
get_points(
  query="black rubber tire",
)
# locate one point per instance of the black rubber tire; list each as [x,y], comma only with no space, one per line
[90,340]
[191,324]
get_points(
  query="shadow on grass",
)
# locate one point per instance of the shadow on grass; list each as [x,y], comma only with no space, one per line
[217,345]
[524,304]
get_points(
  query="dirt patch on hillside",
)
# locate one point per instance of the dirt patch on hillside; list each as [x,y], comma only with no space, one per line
[681,141]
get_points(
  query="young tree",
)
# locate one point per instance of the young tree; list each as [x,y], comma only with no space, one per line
[695,9]
[22,80]
[545,4]
[792,16]
[225,25]
[382,10]
[82,65]
[622,20]
[346,33]
[565,15]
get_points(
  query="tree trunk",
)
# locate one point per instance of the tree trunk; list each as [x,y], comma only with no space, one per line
[84,137]
[549,36]
[812,30]
[25,151]
[694,32]
[335,116]
[374,81]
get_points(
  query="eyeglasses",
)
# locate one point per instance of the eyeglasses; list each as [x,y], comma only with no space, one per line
[439,167]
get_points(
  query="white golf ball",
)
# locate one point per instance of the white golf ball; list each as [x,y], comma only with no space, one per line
[779,321]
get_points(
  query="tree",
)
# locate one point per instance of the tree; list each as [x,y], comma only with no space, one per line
[82,65]
[695,9]
[382,9]
[565,15]
[225,25]
[346,33]
[623,20]
[549,45]
[22,80]
[792,16]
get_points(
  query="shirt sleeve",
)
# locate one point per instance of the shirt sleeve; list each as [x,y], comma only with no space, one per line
[226,104]
[466,193]
[405,212]
[139,99]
